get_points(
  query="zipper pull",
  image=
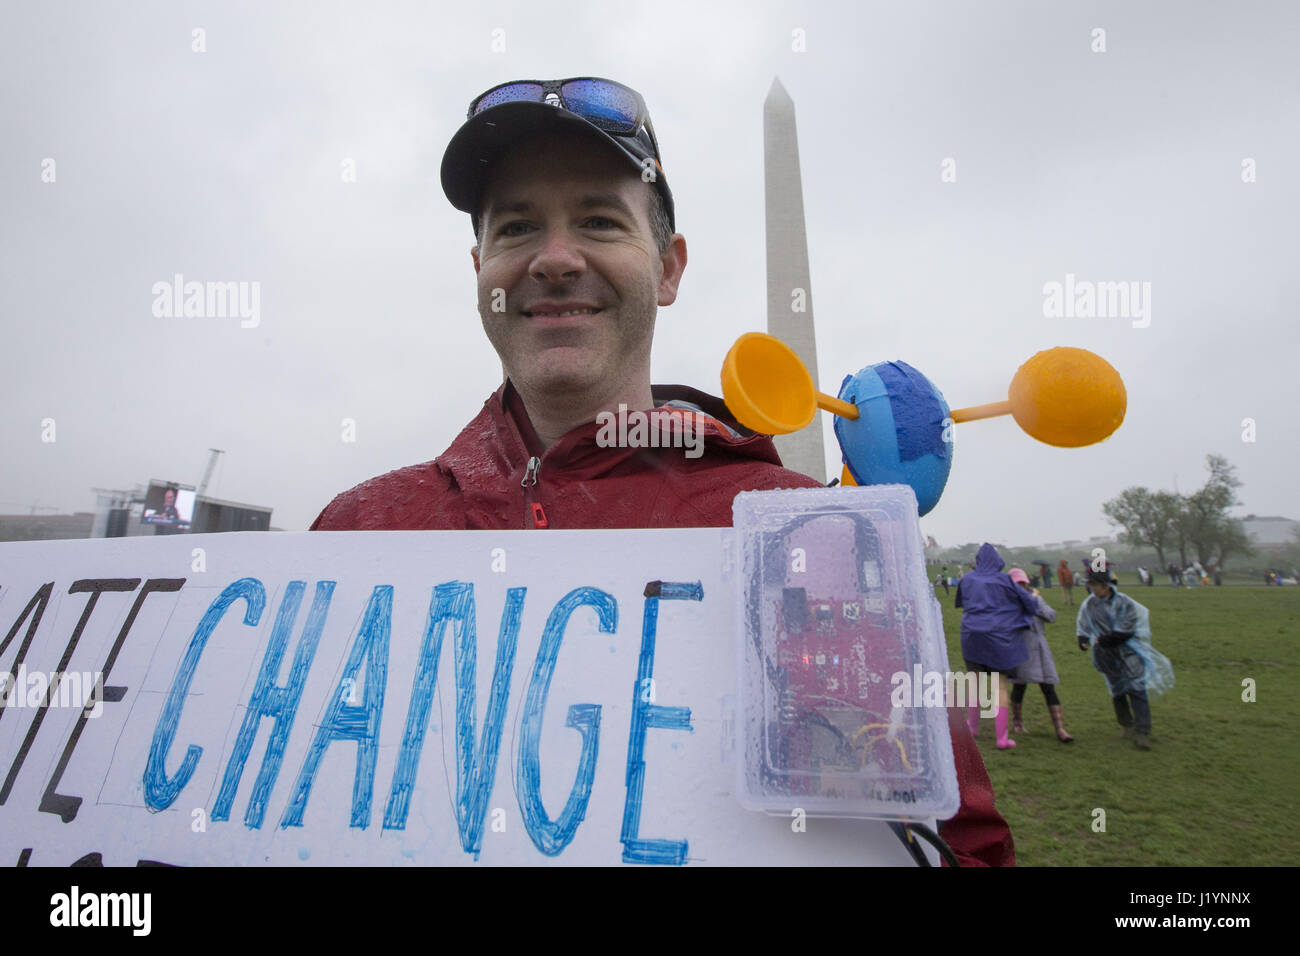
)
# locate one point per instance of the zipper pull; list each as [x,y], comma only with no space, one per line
[530,482]
[534,466]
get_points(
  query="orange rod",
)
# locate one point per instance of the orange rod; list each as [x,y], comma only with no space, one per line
[976,412]
[835,405]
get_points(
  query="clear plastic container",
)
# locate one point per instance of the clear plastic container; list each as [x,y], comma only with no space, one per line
[839,632]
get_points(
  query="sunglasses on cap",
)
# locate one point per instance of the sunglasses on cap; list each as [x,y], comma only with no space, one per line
[609,106]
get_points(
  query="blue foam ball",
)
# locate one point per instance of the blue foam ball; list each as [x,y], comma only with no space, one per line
[898,437]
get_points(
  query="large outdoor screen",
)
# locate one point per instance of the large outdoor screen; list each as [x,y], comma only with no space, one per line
[169,506]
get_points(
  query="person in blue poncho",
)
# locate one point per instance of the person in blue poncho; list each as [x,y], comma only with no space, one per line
[994,613]
[1118,631]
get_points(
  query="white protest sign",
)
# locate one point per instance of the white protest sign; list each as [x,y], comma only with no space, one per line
[383,698]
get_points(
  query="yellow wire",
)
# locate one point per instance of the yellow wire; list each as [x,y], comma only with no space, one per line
[872,741]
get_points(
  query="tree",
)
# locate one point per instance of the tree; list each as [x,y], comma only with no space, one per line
[1233,540]
[1205,523]
[1197,523]
[1167,507]
[1148,518]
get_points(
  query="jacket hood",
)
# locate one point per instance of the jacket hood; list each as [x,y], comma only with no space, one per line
[988,560]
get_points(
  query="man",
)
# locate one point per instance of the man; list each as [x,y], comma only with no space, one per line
[168,511]
[166,519]
[1108,624]
[1066,577]
[575,251]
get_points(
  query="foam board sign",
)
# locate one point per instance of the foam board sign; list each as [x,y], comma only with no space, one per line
[383,698]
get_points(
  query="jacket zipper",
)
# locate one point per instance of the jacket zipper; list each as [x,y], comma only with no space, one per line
[533,509]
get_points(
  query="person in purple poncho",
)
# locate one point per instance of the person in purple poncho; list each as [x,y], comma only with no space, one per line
[994,613]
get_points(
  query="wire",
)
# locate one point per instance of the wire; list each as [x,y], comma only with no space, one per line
[936,841]
[903,833]
[873,739]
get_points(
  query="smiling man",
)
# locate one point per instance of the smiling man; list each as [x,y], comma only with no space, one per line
[575,252]
[576,249]
[566,234]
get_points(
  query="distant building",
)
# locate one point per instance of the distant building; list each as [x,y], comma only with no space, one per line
[119,512]
[1269,531]
[212,515]
[115,511]
[119,515]
[46,527]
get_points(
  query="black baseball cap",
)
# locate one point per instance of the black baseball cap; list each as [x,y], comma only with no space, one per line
[604,110]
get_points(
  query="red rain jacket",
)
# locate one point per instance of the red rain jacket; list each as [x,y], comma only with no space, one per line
[477,483]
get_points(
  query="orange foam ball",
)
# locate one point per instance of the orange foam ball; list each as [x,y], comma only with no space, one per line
[1068,397]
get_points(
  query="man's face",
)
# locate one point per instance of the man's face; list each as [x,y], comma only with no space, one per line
[169,496]
[566,226]
[1099,589]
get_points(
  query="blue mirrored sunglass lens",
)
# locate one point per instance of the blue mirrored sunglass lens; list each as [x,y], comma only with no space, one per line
[511,93]
[611,108]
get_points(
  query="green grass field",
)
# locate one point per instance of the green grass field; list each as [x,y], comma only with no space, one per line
[1219,786]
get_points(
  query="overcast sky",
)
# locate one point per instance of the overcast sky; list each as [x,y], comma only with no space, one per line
[226,165]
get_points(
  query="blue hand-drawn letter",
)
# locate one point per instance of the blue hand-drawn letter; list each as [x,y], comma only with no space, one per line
[453,603]
[552,837]
[644,716]
[160,791]
[345,721]
[280,703]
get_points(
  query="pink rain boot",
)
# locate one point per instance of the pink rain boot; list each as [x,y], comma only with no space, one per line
[1001,723]
[973,720]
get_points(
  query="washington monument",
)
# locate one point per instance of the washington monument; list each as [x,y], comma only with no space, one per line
[789,286]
